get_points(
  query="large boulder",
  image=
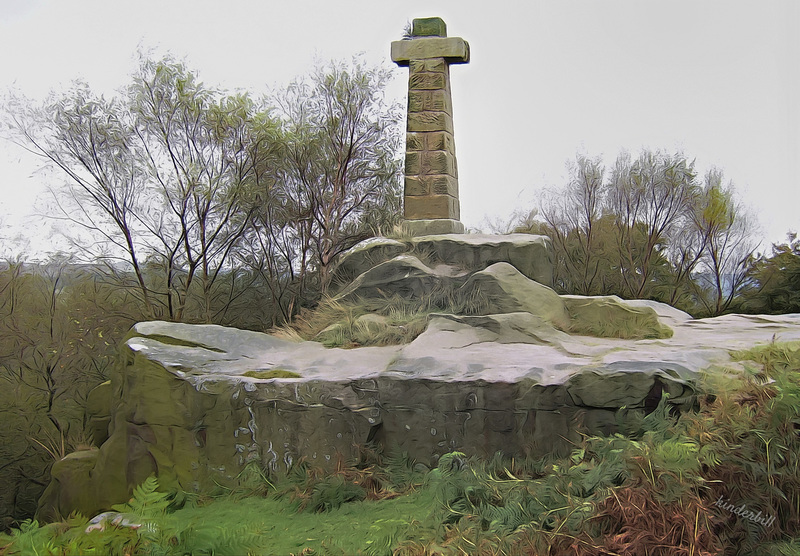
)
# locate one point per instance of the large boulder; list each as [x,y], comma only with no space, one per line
[71,487]
[530,254]
[609,315]
[506,290]
[519,369]
[404,275]
[98,412]
[187,406]
[364,256]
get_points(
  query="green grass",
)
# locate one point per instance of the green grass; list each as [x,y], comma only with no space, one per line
[366,527]
[232,525]
[651,489]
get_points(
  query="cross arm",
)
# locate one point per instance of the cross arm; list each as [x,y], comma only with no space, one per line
[454,50]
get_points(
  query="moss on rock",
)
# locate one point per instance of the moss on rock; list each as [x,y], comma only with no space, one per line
[273,373]
[610,317]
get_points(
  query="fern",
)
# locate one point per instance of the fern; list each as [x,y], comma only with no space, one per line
[403,470]
[204,540]
[147,502]
[333,492]
[31,539]
[452,462]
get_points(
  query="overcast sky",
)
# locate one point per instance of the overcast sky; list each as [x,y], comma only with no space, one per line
[717,80]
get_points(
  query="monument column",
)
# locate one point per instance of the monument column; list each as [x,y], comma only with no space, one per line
[430,199]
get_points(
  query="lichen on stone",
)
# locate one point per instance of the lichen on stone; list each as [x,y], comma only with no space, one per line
[272,373]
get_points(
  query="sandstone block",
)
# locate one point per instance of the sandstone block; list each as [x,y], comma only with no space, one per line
[436,162]
[418,228]
[430,121]
[436,100]
[431,207]
[428,27]
[415,141]
[444,185]
[431,185]
[433,65]
[454,50]
[440,141]
[437,65]
[416,186]
[414,163]
[425,81]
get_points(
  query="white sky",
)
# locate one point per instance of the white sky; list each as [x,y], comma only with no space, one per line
[718,80]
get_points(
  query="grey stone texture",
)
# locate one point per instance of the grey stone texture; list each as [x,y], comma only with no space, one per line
[431,184]
[462,254]
[511,382]
[434,226]
[525,377]
[530,254]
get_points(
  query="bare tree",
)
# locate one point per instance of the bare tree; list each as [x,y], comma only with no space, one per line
[199,146]
[91,140]
[648,196]
[343,167]
[572,217]
[729,248]
[162,177]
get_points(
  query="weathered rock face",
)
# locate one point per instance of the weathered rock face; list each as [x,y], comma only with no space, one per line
[365,256]
[530,254]
[524,375]
[443,256]
[182,407]
[506,290]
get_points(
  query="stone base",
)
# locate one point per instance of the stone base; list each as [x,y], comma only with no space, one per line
[526,373]
[433,227]
[186,408]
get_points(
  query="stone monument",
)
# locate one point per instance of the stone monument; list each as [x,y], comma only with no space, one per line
[516,368]
[431,185]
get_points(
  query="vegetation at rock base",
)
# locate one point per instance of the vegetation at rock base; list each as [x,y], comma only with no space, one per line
[59,330]
[605,318]
[390,320]
[653,488]
[346,324]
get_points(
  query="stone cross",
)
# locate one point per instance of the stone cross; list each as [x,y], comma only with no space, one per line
[431,186]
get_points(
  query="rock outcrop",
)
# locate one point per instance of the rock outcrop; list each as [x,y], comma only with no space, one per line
[196,403]
[450,255]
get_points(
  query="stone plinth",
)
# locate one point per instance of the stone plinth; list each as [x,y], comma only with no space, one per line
[431,183]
